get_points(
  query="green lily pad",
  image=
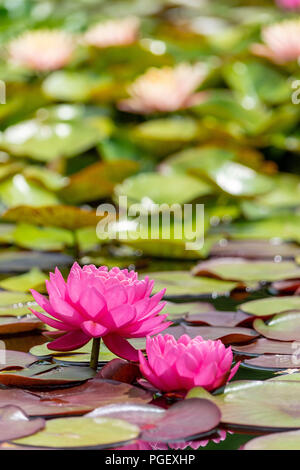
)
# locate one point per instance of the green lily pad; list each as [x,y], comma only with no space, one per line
[81,355]
[257,405]
[239,269]
[181,284]
[42,238]
[34,279]
[97,181]
[270,306]
[182,310]
[17,191]
[276,441]
[147,189]
[43,176]
[82,432]
[46,141]
[282,327]
[45,376]
[167,130]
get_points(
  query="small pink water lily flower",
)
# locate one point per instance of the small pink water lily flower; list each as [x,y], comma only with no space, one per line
[181,365]
[289,4]
[42,50]
[165,89]
[94,302]
[281,42]
[121,32]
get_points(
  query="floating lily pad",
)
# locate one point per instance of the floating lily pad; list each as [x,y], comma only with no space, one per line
[260,249]
[275,441]
[272,362]
[17,191]
[97,181]
[45,375]
[15,359]
[226,335]
[120,370]
[214,318]
[187,309]
[257,405]
[79,355]
[158,425]
[270,306]
[42,238]
[14,424]
[82,432]
[181,284]
[22,261]
[34,279]
[264,346]
[148,189]
[11,325]
[69,217]
[75,400]
[283,327]
[286,287]
[239,269]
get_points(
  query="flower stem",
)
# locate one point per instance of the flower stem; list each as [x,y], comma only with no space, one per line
[95,353]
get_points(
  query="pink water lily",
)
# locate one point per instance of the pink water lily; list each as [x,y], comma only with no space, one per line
[95,302]
[42,49]
[181,365]
[120,32]
[289,4]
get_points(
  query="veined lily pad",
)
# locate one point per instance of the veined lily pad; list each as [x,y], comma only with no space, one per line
[257,405]
[270,306]
[276,441]
[159,425]
[82,432]
[181,284]
[283,327]
[239,269]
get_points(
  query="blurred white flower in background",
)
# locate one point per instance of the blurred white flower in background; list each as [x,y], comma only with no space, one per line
[42,50]
[121,32]
[165,89]
[281,42]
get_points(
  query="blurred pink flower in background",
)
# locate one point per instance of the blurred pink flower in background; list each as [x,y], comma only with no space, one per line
[281,42]
[181,365]
[121,32]
[165,89]
[42,50]
[289,4]
[95,302]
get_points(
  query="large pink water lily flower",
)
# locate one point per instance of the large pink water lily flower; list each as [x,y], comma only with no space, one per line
[281,42]
[289,4]
[181,365]
[95,302]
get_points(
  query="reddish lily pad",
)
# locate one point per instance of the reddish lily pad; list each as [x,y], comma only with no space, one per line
[226,335]
[286,287]
[282,327]
[270,306]
[272,362]
[73,401]
[255,249]
[45,376]
[214,318]
[239,269]
[14,423]
[264,346]
[11,325]
[276,441]
[15,359]
[195,416]
[257,405]
[179,310]
[120,370]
